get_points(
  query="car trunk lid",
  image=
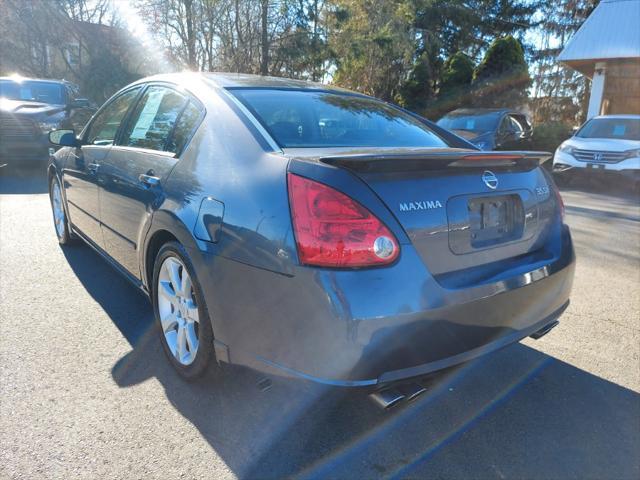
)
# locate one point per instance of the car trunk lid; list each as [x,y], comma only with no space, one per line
[461,209]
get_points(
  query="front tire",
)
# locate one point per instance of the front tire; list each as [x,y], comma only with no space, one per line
[60,220]
[181,313]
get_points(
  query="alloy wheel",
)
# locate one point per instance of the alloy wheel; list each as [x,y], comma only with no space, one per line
[178,310]
[58,209]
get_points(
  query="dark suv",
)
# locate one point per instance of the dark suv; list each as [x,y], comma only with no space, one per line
[490,128]
[30,109]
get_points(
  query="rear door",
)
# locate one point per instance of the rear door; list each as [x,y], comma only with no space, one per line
[132,178]
[80,174]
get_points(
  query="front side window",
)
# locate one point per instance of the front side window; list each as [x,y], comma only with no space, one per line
[73,92]
[522,122]
[153,119]
[105,125]
[32,91]
[621,128]
[510,125]
[309,118]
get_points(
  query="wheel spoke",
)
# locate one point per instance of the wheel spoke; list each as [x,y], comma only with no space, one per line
[185,287]
[171,339]
[192,338]
[169,323]
[174,275]
[181,343]
[167,290]
[192,311]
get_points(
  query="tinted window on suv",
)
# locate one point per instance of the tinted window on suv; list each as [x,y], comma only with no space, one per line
[32,91]
[153,119]
[105,125]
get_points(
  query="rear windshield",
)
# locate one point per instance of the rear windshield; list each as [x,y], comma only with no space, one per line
[309,118]
[622,128]
[482,122]
[32,91]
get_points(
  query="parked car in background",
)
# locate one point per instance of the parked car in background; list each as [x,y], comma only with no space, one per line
[311,231]
[490,128]
[30,109]
[608,144]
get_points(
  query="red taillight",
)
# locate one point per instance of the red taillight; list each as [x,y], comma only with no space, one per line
[333,230]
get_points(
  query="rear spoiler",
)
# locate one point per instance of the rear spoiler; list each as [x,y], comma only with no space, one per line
[437,160]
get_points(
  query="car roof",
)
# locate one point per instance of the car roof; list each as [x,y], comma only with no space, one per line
[241,80]
[621,115]
[48,80]
[480,111]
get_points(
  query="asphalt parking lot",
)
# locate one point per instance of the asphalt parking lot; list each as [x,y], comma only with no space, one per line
[86,392]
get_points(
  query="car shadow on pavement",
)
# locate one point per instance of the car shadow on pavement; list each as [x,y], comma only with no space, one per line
[516,413]
[616,187]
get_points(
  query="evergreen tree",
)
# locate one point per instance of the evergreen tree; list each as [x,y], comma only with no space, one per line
[417,92]
[457,74]
[502,78]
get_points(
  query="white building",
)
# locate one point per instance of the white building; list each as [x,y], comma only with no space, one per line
[606,49]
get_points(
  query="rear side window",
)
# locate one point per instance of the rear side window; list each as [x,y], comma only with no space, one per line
[105,125]
[523,121]
[153,119]
[185,126]
[312,118]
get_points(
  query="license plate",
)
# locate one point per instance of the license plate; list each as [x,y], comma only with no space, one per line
[495,219]
[595,166]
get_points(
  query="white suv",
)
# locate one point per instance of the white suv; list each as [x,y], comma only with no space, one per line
[608,143]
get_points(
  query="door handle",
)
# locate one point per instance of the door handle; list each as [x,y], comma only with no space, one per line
[93,168]
[149,180]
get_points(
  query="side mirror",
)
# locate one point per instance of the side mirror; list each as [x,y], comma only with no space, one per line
[64,138]
[574,130]
[79,103]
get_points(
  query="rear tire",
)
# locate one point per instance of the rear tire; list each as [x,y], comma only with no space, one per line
[60,220]
[181,314]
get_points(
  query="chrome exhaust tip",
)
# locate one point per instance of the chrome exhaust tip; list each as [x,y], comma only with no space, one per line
[387,398]
[411,391]
[544,330]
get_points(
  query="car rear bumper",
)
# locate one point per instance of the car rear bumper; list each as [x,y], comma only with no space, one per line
[370,327]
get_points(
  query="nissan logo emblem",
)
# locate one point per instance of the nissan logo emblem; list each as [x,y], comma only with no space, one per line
[490,180]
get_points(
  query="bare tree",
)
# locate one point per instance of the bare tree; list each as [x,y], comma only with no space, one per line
[264,37]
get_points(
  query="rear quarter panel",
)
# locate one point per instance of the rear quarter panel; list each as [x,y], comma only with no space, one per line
[225,162]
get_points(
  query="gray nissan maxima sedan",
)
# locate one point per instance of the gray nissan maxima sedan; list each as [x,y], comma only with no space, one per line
[312,231]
